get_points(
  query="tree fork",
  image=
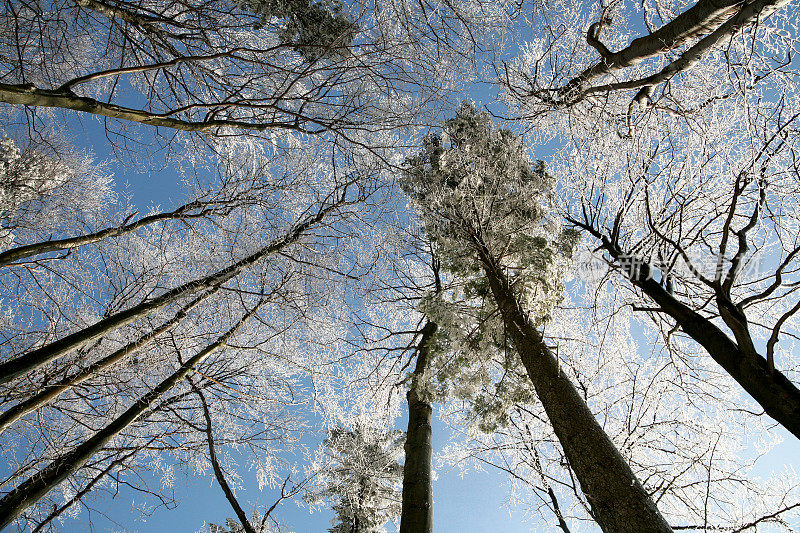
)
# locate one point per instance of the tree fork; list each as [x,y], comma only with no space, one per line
[704,16]
[771,389]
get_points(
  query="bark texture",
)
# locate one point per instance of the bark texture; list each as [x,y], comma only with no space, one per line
[417,508]
[704,16]
[618,500]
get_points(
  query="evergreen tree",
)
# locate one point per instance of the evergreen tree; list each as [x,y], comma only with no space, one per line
[362,479]
[487,208]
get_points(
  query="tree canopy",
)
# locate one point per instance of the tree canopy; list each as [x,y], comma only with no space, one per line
[294,246]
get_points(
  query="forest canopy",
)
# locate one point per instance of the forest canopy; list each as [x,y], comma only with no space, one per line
[315,255]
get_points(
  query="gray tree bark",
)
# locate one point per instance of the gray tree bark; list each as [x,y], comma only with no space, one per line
[703,17]
[618,500]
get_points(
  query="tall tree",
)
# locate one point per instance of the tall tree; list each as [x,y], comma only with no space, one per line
[486,208]
[674,417]
[87,384]
[32,489]
[700,99]
[361,478]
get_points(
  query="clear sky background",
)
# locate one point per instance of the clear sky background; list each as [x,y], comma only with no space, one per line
[471,503]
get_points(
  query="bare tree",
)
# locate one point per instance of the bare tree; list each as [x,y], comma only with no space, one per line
[570,63]
[217,68]
[91,382]
[29,491]
[40,356]
[709,244]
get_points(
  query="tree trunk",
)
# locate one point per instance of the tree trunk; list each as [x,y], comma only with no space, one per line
[51,391]
[58,511]
[774,392]
[41,356]
[619,502]
[417,509]
[32,489]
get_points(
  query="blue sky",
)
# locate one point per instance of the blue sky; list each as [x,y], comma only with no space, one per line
[474,502]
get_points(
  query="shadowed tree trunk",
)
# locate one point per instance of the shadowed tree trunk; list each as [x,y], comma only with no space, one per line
[417,511]
[774,392]
[58,511]
[618,500]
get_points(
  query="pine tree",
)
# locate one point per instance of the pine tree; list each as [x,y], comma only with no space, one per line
[363,478]
[487,209]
